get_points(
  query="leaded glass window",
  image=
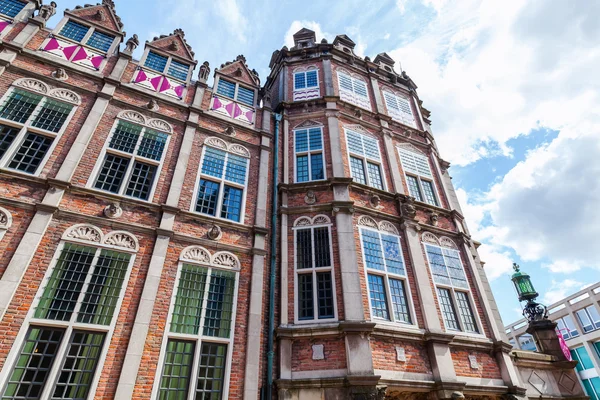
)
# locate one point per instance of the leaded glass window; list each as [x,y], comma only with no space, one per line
[84,285]
[35,123]
[448,311]
[199,334]
[353,90]
[365,159]
[386,276]
[74,31]
[132,160]
[309,154]
[235,91]
[179,70]
[156,61]
[100,41]
[399,109]
[306,80]
[315,295]
[419,178]
[11,8]
[221,191]
[79,32]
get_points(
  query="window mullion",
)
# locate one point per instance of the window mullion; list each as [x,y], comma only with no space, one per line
[87,36]
[127,175]
[10,152]
[314,274]
[457,313]
[36,111]
[388,296]
[205,301]
[194,370]
[168,65]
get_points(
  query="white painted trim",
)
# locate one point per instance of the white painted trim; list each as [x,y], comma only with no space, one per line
[305,71]
[309,153]
[366,159]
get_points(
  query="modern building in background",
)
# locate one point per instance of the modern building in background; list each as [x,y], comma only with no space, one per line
[163,239]
[578,319]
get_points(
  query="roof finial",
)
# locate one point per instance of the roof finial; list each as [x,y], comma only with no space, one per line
[516,267]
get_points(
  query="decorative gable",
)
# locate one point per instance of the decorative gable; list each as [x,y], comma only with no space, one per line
[238,70]
[174,44]
[103,15]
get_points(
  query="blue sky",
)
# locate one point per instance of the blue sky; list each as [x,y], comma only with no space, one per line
[514,91]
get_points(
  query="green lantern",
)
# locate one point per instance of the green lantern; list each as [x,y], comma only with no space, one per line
[523,284]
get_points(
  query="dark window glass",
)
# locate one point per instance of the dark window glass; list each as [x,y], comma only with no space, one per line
[177,369]
[100,41]
[188,302]
[379,306]
[375,176]
[232,203]
[30,154]
[448,311]
[428,192]
[325,294]
[211,371]
[302,168]
[152,145]
[322,248]
[311,79]
[466,312]
[20,105]
[125,137]
[357,170]
[245,96]
[11,7]
[399,301]
[305,296]
[112,173]
[219,305]
[226,88]
[7,136]
[208,193]
[52,116]
[74,31]
[316,166]
[300,80]
[413,187]
[33,365]
[303,249]
[179,70]
[140,183]
[156,62]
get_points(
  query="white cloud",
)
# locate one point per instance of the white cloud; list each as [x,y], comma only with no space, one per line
[386,36]
[561,289]
[230,11]
[401,4]
[312,25]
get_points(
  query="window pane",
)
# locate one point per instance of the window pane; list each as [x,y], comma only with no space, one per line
[301,140]
[219,305]
[156,62]
[65,284]
[438,265]
[179,70]
[7,136]
[375,179]
[112,173]
[245,96]
[77,373]
[74,31]
[125,137]
[19,105]
[303,249]
[390,101]
[305,296]
[152,145]
[345,82]
[325,295]
[593,313]
[372,250]
[208,192]
[188,300]
[357,170]
[52,116]
[226,88]
[466,312]
[584,358]
[102,294]
[448,311]
[371,147]
[562,328]
[236,169]
[526,342]
[300,80]
[140,183]
[211,371]
[316,166]
[311,79]
[428,192]
[359,87]
[586,323]
[177,368]
[302,168]
[379,306]
[354,143]
[393,254]
[11,7]
[315,139]
[415,163]
[455,268]
[100,41]
[30,154]
[413,187]
[214,162]
[34,363]
[232,203]
[322,248]
[399,301]
[570,326]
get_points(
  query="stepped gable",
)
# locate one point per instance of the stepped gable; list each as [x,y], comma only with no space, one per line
[238,69]
[174,44]
[103,15]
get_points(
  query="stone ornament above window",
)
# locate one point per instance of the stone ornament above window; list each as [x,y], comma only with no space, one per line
[137,118]
[86,233]
[40,87]
[5,221]
[231,148]
[198,254]
[317,220]
[442,241]
[383,226]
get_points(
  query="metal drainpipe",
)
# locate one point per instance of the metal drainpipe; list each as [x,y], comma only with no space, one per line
[271,350]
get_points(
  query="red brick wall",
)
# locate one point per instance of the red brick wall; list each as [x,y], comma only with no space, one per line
[385,356]
[488,367]
[334,351]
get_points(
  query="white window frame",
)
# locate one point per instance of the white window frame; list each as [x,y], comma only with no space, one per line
[308,153]
[419,176]
[199,338]
[27,127]
[468,291]
[90,32]
[397,113]
[386,276]
[133,157]
[69,326]
[366,159]
[235,95]
[588,315]
[352,96]
[304,72]
[562,321]
[314,223]
[170,58]
[222,182]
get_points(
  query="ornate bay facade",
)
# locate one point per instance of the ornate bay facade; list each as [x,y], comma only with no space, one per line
[139,207]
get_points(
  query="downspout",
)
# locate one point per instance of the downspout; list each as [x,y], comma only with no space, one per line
[273,271]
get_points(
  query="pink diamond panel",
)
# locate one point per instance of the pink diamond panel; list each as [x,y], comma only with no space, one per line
[233,110]
[4,25]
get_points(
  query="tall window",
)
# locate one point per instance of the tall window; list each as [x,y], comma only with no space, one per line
[315,284]
[30,126]
[353,90]
[365,159]
[11,8]
[386,275]
[132,159]
[309,154]
[567,327]
[67,332]
[199,336]
[222,184]
[167,65]
[418,176]
[453,290]
[87,35]
[589,318]
[399,109]
[306,85]
[235,91]
[587,373]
